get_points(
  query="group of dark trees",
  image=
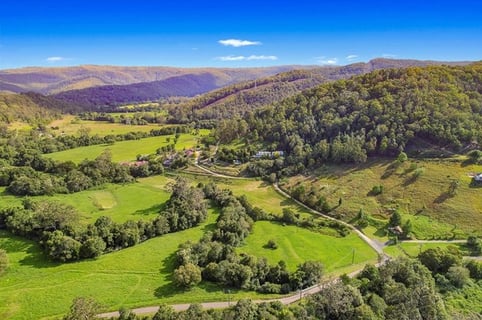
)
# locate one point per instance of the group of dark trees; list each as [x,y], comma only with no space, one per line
[56,226]
[214,257]
[380,113]
[400,289]
[33,174]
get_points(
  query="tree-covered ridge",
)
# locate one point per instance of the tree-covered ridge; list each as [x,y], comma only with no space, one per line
[26,107]
[380,113]
[238,99]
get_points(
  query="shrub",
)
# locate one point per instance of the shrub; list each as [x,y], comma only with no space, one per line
[272,244]
[376,190]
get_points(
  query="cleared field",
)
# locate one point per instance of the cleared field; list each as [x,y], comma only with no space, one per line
[296,245]
[413,249]
[126,150]
[70,125]
[424,200]
[259,193]
[135,201]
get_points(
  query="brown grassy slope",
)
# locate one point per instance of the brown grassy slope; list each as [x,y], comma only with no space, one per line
[424,200]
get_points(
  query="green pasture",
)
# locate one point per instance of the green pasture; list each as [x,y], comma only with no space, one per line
[126,150]
[70,125]
[134,201]
[413,249]
[296,245]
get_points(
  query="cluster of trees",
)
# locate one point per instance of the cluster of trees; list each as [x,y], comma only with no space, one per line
[130,118]
[56,226]
[447,268]
[67,177]
[214,258]
[380,113]
[400,289]
[38,142]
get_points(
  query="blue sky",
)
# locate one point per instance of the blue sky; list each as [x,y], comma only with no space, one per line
[235,33]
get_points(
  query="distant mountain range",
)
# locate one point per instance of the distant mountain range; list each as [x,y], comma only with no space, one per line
[222,93]
[55,80]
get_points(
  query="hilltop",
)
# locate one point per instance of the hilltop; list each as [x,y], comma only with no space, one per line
[380,113]
[55,80]
[237,99]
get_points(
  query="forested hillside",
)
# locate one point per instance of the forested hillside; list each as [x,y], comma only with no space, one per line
[237,99]
[380,113]
[113,95]
[31,107]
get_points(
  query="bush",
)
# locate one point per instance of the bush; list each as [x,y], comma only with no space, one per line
[272,244]
[187,275]
[376,190]
[418,172]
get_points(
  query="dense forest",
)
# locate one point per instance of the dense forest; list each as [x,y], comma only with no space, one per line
[380,113]
[31,107]
[238,99]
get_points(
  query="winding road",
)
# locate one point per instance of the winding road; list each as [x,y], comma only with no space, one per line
[374,244]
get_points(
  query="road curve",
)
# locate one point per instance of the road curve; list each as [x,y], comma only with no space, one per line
[377,246]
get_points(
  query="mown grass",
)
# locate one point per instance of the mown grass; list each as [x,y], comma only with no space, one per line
[297,245]
[424,200]
[134,201]
[127,150]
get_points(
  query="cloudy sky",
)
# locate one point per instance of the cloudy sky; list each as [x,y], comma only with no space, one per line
[236,33]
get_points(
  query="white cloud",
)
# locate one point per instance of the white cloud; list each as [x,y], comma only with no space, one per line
[246,58]
[57,59]
[327,61]
[351,57]
[238,43]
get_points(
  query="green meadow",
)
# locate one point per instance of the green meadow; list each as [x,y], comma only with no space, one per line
[127,150]
[296,245]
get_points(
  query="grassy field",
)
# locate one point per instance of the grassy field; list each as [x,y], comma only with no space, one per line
[259,193]
[413,249]
[127,150]
[70,125]
[135,201]
[296,245]
[423,200]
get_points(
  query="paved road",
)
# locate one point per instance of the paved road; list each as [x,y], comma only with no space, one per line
[376,245]
[226,304]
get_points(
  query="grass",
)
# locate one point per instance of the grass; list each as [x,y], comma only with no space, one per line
[296,245]
[70,125]
[140,275]
[126,150]
[135,201]
[413,249]
[259,194]
[423,200]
